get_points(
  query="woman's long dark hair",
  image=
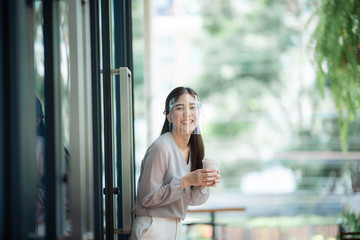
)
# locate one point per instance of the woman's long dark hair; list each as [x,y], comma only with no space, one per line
[40,130]
[197,150]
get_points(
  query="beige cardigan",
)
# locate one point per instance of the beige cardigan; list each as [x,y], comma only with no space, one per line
[159,191]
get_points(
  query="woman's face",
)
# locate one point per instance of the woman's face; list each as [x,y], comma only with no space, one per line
[184,114]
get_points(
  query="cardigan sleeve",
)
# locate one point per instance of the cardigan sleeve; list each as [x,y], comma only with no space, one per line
[199,196]
[152,191]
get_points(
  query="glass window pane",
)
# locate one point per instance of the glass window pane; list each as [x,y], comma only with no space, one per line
[65,114]
[39,71]
[276,138]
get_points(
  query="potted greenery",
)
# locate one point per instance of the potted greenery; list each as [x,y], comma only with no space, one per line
[337,54]
[350,223]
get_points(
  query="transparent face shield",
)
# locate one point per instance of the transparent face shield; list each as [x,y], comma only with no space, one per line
[185,115]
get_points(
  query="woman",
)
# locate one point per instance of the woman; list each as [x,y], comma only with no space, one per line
[171,175]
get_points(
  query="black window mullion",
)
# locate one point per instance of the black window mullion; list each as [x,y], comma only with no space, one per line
[96,103]
[53,133]
[17,124]
[2,127]
[109,186]
[119,62]
[129,47]
[5,194]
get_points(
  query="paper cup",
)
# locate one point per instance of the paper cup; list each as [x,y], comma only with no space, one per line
[210,163]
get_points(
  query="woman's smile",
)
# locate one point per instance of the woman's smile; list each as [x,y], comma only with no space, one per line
[187,121]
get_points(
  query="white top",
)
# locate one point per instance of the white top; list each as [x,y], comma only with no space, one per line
[159,191]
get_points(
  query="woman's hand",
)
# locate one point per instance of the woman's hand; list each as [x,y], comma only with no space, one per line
[201,177]
[218,176]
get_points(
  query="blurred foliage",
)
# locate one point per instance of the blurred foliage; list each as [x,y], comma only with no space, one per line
[228,128]
[242,47]
[243,44]
[327,139]
[337,54]
[351,221]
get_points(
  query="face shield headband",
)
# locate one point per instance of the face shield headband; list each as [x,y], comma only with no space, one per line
[184,115]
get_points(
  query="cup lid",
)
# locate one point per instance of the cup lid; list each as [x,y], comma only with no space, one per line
[209,159]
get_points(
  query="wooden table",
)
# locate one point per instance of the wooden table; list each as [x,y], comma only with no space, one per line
[212,212]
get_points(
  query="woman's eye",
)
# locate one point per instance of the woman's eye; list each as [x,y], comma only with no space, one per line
[179,108]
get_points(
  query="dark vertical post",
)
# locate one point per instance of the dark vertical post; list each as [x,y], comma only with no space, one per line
[109,188]
[2,143]
[53,133]
[17,124]
[96,102]
[5,222]
[213,224]
[19,153]
[11,121]
[129,52]
[119,62]
[49,101]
